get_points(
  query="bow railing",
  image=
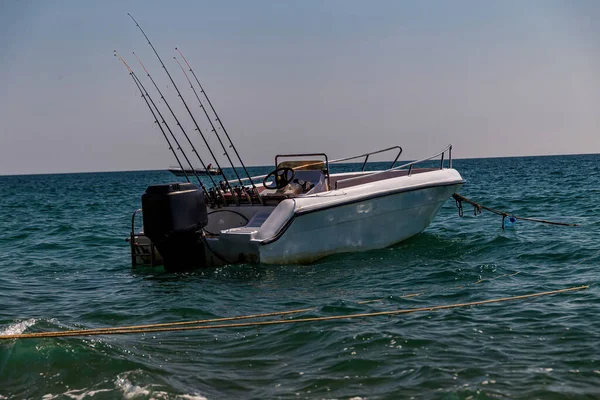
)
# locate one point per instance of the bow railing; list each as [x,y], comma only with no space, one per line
[409,165]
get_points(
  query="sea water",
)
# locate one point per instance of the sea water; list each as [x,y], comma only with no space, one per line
[64,264]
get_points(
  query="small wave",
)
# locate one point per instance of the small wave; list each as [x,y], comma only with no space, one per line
[18,236]
[128,389]
[132,391]
[540,370]
[48,246]
[77,394]
[17,328]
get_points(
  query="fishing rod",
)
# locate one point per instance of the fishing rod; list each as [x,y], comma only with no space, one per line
[189,112]
[135,80]
[170,132]
[176,120]
[218,120]
[209,120]
[147,95]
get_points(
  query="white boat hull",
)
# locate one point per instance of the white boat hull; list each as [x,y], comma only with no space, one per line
[360,212]
[368,224]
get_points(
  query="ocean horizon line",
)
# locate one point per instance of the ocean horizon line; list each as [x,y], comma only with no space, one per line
[267,165]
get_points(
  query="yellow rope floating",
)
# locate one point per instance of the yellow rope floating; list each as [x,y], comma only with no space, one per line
[200,321]
[156,328]
[263,315]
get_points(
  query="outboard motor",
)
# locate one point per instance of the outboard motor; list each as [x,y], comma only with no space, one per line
[174,215]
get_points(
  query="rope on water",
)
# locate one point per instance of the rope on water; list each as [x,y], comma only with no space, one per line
[120,331]
[262,315]
[165,324]
[478,207]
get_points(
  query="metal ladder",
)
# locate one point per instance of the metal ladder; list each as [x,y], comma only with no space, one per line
[143,251]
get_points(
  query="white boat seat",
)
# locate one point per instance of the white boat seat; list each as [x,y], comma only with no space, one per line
[313,177]
[320,186]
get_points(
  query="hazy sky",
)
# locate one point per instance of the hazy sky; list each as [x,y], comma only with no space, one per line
[494,78]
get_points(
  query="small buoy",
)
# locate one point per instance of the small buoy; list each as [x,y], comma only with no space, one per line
[510,222]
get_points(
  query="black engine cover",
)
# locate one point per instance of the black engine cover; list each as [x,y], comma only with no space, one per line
[174,215]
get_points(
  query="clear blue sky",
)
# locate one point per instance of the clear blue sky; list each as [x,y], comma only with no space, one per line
[493,78]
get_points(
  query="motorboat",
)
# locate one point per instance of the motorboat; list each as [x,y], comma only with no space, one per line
[178,171]
[298,214]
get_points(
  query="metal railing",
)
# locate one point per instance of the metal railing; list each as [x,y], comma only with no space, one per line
[440,154]
[339,160]
[366,156]
[409,165]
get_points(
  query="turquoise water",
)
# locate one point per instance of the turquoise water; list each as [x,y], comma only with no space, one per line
[65,265]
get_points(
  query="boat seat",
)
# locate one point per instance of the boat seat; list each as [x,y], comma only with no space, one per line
[321,185]
[313,177]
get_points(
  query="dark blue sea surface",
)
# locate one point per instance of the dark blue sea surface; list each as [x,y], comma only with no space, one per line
[64,264]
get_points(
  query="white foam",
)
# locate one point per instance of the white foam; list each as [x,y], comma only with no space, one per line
[76,394]
[128,389]
[132,391]
[18,328]
[191,397]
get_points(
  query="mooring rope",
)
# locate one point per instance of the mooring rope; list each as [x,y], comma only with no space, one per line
[120,331]
[178,323]
[271,314]
[478,207]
